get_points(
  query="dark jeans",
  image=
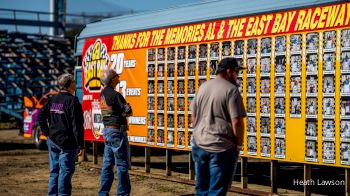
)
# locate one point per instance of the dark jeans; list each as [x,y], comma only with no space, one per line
[115,152]
[62,166]
[214,171]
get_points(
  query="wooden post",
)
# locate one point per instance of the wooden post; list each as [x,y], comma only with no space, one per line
[83,156]
[307,178]
[190,166]
[94,152]
[168,162]
[274,168]
[244,172]
[347,181]
[147,159]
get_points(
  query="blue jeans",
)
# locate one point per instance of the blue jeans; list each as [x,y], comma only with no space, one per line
[62,166]
[213,171]
[115,152]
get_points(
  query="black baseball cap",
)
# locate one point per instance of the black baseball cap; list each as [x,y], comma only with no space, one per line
[228,63]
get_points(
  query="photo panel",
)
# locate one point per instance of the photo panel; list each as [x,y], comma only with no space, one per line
[191,86]
[329,40]
[150,136]
[345,129]
[192,52]
[252,47]
[181,104]
[214,50]
[265,106]
[265,46]
[280,87]
[160,87]
[280,65]
[252,145]
[171,70]
[329,63]
[295,43]
[280,148]
[311,130]
[213,67]
[312,42]
[160,72]
[226,48]
[170,87]
[151,54]
[280,44]
[345,62]
[280,105]
[295,64]
[192,69]
[202,68]
[251,125]
[265,66]
[151,119]
[180,87]
[295,107]
[201,81]
[239,44]
[328,152]
[251,107]
[170,137]
[160,120]
[311,85]
[345,153]
[345,38]
[311,64]
[345,108]
[345,84]
[150,70]
[170,121]
[161,54]
[190,140]
[203,51]
[265,146]
[180,139]
[251,86]
[328,129]
[265,86]
[170,106]
[150,87]
[311,151]
[265,125]
[328,107]
[311,107]
[171,54]
[160,137]
[160,103]
[280,127]
[251,70]
[181,121]
[328,84]
[150,103]
[180,69]
[295,86]
[181,52]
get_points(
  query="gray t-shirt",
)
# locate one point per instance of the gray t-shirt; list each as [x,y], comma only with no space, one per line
[215,104]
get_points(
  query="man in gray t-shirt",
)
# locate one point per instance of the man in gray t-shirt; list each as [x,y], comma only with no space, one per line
[217,115]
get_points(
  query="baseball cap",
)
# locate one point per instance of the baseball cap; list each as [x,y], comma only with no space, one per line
[107,75]
[228,63]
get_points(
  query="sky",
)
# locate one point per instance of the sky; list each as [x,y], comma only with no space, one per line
[92,7]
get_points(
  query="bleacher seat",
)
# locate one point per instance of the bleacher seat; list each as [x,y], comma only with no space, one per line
[30,64]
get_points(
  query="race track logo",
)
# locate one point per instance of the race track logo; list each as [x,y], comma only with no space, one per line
[95,60]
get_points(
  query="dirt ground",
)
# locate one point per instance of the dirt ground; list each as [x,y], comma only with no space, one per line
[25,171]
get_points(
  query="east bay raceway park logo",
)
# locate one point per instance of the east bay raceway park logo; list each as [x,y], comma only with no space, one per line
[95,60]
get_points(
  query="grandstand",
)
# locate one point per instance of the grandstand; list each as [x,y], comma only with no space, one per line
[29,66]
